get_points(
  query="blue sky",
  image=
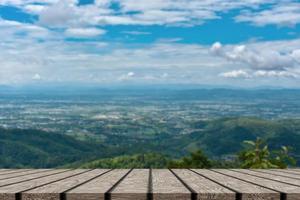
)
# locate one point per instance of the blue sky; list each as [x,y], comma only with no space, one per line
[245,43]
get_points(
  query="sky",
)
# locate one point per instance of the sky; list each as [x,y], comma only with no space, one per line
[246,43]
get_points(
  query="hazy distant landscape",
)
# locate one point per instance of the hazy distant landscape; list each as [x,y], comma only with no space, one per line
[161,84]
[55,128]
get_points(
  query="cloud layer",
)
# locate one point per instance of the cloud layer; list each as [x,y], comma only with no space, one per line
[64,42]
[66,13]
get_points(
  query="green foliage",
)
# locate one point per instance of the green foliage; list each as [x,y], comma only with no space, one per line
[39,149]
[282,158]
[196,160]
[258,156]
[220,139]
[148,160]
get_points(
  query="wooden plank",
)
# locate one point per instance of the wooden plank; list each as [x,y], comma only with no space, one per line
[53,191]
[4,171]
[21,173]
[167,187]
[246,190]
[9,192]
[96,189]
[13,171]
[280,173]
[134,186]
[286,171]
[40,173]
[293,169]
[292,192]
[205,188]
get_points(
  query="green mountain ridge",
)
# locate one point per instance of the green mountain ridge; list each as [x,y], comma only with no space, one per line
[219,139]
[39,149]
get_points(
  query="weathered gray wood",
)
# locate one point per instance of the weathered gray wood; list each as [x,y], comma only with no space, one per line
[4,171]
[293,172]
[40,173]
[96,189]
[293,192]
[22,173]
[248,190]
[52,191]
[13,171]
[9,192]
[293,169]
[276,176]
[166,186]
[205,189]
[216,184]
[134,186]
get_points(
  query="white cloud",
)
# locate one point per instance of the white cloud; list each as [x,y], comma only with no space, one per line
[63,13]
[236,74]
[36,77]
[131,74]
[163,61]
[34,9]
[259,74]
[14,27]
[127,77]
[136,32]
[216,48]
[263,55]
[84,32]
[285,13]
[262,73]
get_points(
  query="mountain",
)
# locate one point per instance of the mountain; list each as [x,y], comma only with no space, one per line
[39,149]
[220,138]
[5,87]
[225,136]
[148,160]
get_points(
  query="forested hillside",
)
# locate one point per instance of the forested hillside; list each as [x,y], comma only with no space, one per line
[32,148]
[219,139]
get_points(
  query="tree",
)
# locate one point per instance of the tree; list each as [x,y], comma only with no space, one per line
[196,160]
[258,156]
[282,158]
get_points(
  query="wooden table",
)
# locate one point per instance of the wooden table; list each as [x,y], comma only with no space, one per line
[147,184]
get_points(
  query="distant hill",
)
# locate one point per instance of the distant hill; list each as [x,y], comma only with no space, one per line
[225,136]
[38,149]
[217,138]
[5,87]
[148,160]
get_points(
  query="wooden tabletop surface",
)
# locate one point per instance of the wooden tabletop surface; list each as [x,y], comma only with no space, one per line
[149,184]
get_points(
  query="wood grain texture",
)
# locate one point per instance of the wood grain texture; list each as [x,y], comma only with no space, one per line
[293,192]
[274,176]
[205,189]
[5,170]
[41,173]
[134,186]
[22,173]
[9,192]
[293,172]
[182,184]
[293,169]
[248,190]
[52,191]
[12,171]
[96,189]
[280,173]
[167,187]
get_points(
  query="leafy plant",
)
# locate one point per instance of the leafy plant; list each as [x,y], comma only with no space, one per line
[258,156]
[196,160]
[282,158]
